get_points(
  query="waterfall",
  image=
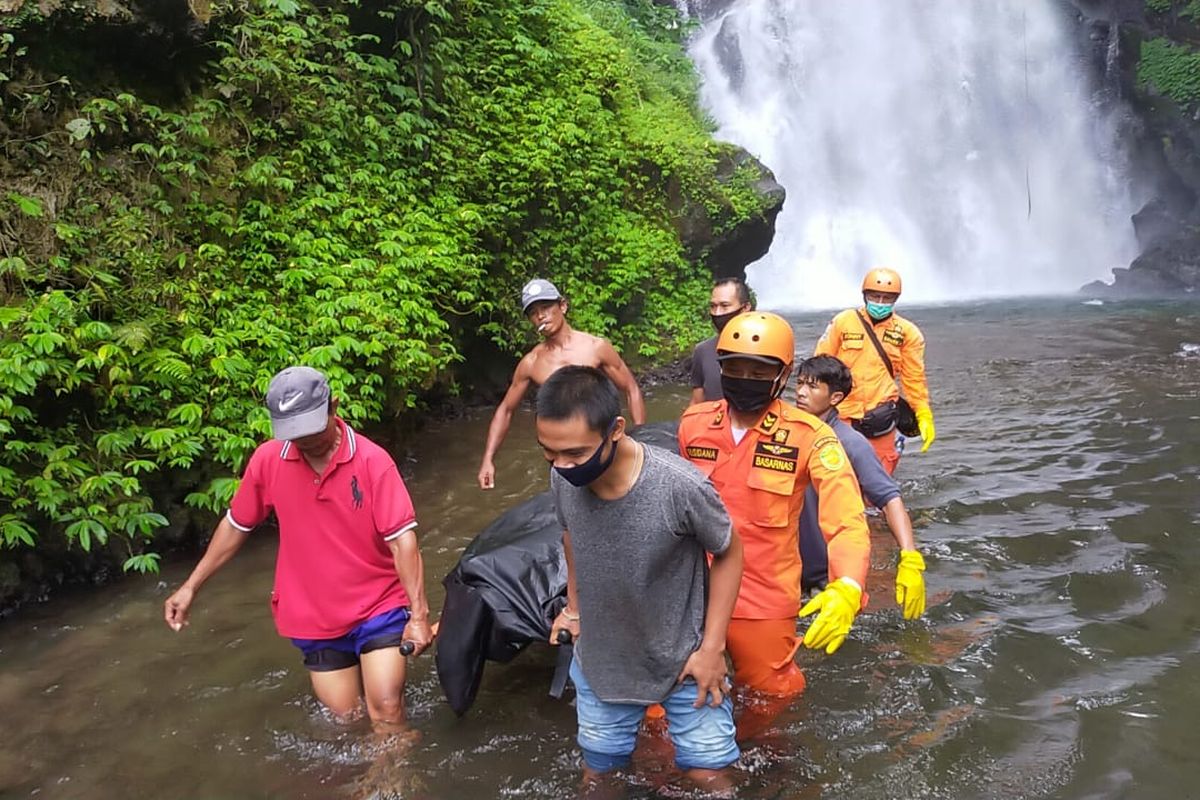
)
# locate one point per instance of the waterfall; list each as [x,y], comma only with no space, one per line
[958,141]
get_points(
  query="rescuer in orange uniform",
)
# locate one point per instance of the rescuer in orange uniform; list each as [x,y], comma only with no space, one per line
[871,406]
[761,454]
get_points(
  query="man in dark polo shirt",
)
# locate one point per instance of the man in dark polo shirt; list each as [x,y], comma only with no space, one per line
[730,297]
[349,582]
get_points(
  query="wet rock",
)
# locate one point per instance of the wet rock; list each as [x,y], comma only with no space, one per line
[1171,269]
[717,238]
[1156,222]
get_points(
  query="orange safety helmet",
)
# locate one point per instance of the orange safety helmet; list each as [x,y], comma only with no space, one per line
[759,335]
[882,279]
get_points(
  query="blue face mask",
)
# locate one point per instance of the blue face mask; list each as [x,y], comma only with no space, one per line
[583,474]
[878,311]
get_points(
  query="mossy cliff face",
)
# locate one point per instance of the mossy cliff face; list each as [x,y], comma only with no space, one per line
[1156,72]
[195,194]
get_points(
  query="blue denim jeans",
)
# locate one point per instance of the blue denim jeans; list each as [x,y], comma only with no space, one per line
[703,737]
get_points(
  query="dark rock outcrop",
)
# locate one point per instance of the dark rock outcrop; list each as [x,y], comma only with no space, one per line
[725,243]
[1163,143]
[1171,269]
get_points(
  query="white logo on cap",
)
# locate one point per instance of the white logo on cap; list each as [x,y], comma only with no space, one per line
[291,401]
[534,287]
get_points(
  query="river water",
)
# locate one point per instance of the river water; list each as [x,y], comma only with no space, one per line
[1059,656]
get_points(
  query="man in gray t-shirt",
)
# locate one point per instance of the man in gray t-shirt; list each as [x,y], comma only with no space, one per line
[730,297]
[823,382]
[648,614]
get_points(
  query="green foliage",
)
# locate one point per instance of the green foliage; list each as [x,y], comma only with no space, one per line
[358,186]
[1170,69]
[1158,6]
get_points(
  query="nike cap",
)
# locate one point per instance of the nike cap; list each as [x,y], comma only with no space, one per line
[298,401]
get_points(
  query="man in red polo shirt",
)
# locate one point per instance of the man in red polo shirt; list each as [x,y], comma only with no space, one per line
[349,582]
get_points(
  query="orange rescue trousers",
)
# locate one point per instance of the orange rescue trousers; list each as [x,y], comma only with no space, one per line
[762,651]
[885,448]
[764,671]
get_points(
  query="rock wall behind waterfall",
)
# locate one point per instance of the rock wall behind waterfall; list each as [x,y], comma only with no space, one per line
[1147,56]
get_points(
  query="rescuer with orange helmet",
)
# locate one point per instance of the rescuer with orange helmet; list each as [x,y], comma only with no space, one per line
[761,454]
[875,405]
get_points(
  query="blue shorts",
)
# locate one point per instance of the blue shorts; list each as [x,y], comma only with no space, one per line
[380,631]
[703,737]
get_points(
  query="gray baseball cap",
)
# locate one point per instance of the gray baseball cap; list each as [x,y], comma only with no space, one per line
[298,401]
[537,290]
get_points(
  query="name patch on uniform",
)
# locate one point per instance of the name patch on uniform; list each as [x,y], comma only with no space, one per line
[851,336]
[702,453]
[775,457]
[774,464]
[769,421]
[893,336]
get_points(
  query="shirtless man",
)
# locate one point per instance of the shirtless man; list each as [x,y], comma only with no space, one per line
[563,346]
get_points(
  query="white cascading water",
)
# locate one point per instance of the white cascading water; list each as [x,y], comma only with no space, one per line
[957,141]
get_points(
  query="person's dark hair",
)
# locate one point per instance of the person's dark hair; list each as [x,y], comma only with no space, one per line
[828,370]
[744,295]
[584,391]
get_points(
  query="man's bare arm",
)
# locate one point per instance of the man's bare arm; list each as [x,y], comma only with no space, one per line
[501,420]
[410,569]
[617,371]
[707,663]
[567,619]
[226,541]
[697,395]
[898,522]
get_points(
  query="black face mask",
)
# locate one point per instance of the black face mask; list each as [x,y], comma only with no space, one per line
[583,474]
[747,395]
[719,321]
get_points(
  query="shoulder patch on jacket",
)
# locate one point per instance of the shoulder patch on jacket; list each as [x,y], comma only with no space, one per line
[832,457]
[793,414]
[706,407]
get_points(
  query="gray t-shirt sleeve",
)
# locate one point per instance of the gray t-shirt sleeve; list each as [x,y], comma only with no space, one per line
[704,515]
[556,485]
[697,368]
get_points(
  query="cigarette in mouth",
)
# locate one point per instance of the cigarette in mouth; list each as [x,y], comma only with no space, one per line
[542,327]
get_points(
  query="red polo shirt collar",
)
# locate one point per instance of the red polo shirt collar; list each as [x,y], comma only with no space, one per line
[345,451]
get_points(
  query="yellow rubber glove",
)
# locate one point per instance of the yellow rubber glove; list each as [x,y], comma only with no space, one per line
[838,604]
[910,584]
[925,426]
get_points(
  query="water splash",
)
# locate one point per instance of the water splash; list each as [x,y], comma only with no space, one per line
[957,141]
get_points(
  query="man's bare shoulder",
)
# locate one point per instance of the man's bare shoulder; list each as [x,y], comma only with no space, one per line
[604,351]
[587,339]
[528,362]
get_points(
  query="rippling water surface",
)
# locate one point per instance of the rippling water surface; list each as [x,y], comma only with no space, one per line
[1059,657]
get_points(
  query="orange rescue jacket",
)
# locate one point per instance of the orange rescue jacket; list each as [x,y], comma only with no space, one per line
[873,386]
[762,482]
